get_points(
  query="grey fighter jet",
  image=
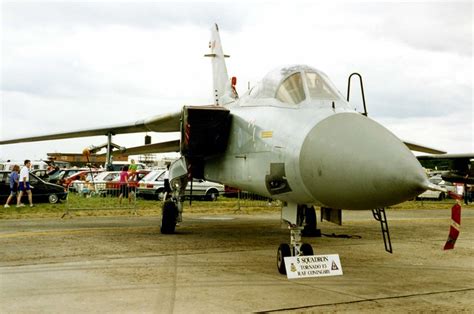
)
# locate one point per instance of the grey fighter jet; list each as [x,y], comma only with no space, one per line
[292,137]
[458,168]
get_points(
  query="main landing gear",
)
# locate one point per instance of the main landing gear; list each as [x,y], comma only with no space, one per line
[172,211]
[169,217]
[305,219]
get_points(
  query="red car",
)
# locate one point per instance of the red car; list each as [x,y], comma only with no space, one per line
[113,187]
[83,175]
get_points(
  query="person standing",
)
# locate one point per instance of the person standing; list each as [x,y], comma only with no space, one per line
[466,193]
[132,168]
[24,184]
[123,184]
[13,184]
[166,184]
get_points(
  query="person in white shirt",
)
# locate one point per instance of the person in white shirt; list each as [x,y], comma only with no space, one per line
[24,184]
[166,183]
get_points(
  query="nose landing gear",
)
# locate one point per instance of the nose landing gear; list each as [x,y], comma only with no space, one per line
[295,248]
[301,220]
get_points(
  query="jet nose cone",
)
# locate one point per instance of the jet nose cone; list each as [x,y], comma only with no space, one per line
[349,161]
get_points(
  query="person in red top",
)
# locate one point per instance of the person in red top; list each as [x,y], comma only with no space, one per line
[123,188]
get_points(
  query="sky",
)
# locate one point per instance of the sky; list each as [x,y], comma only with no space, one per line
[78,65]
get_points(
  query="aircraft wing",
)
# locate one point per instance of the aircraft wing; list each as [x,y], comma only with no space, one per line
[467,156]
[461,166]
[165,147]
[421,148]
[160,123]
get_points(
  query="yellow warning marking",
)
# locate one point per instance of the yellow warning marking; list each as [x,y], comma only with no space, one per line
[267,134]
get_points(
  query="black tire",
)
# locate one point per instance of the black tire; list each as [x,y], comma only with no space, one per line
[212,195]
[283,251]
[441,196]
[310,227]
[306,249]
[168,217]
[310,218]
[53,198]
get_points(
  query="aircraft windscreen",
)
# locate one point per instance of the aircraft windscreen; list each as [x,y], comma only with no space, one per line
[318,87]
[292,85]
[291,91]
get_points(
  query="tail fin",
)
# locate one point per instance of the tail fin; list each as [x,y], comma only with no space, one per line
[222,86]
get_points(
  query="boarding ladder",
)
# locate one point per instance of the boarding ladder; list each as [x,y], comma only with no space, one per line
[379,215]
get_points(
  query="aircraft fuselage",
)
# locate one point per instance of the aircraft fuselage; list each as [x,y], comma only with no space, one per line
[321,153]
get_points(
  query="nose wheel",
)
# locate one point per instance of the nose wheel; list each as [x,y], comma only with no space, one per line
[295,248]
[283,251]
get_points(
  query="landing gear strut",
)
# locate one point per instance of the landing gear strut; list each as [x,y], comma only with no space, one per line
[295,248]
[303,218]
[173,208]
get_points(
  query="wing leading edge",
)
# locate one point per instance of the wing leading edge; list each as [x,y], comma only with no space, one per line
[160,123]
[424,149]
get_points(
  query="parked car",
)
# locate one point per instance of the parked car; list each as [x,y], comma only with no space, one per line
[98,184]
[44,174]
[42,191]
[80,177]
[59,176]
[439,195]
[230,191]
[112,187]
[118,165]
[152,187]
[8,165]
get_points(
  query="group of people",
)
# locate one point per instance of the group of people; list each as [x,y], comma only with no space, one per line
[127,174]
[20,184]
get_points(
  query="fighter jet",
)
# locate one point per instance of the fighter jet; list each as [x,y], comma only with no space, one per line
[292,137]
[456,168]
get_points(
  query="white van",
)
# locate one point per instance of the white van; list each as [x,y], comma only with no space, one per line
[8,165]
[117,165]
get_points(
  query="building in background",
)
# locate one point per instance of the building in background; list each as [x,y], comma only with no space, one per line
[79,160]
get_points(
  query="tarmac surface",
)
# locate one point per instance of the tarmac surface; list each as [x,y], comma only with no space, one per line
[227,264]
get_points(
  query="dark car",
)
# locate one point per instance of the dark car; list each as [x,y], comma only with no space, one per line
[59,176]
[42,191]
[44,174]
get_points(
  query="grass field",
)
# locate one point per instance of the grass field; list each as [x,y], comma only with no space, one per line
[80,206]
[109,206]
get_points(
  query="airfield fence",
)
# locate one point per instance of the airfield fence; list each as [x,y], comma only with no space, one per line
[105,196]
[92,195]
[246,200]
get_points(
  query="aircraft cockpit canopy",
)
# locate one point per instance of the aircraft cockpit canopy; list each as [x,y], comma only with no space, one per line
[292,85]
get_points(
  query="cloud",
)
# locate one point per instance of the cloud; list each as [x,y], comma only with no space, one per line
[453,132]
[147,15]
[432,26]
[117,62]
